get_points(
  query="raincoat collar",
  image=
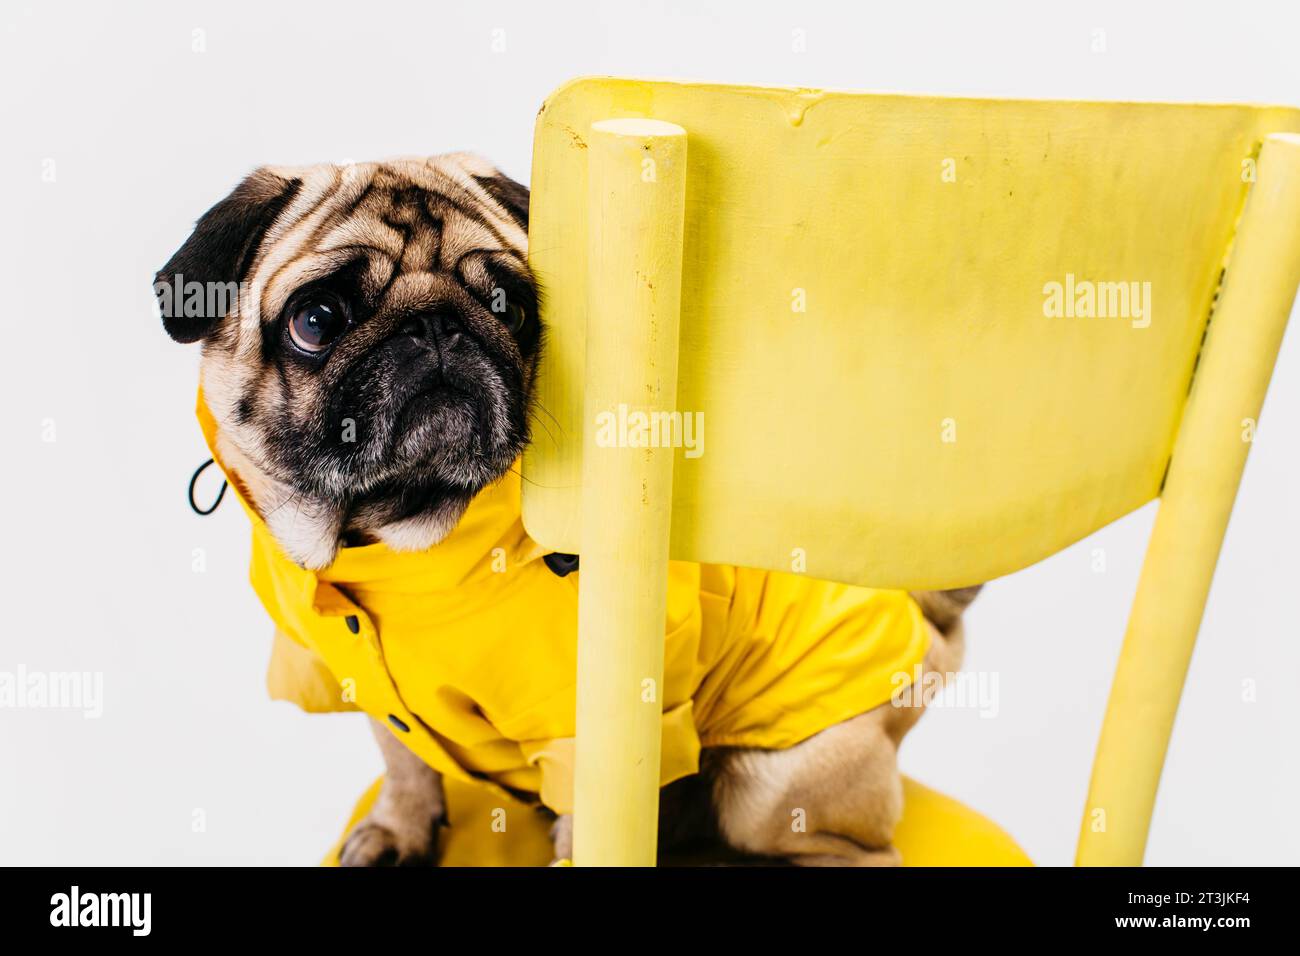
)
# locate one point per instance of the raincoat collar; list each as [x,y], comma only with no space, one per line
[492,521]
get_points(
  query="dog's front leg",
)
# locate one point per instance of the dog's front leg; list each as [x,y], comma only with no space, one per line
[562,837]
[402,827]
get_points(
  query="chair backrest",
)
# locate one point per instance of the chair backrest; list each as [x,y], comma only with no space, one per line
[924,341]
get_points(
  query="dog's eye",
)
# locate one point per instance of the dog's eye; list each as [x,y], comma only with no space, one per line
[509,303]
[515,317]
[316,324]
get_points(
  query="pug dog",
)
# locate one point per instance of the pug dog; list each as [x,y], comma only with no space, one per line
[397,296]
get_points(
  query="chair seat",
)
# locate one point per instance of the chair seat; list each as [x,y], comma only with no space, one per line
[936,830]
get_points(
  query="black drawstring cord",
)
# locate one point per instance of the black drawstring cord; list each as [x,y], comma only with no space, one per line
[195,480]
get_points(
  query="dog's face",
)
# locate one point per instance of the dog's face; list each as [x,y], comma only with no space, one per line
[374,370]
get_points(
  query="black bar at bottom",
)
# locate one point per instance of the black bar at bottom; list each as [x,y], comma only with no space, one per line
[655,907]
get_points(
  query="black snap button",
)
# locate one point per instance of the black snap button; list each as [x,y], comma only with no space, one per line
[561,565]
[398,723]
[353,624]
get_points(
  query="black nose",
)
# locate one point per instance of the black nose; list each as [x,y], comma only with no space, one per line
[436,328]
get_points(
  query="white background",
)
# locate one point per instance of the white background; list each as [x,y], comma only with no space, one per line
[145,134]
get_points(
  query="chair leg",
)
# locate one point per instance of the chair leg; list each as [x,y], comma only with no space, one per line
[636,182]
[1209,454]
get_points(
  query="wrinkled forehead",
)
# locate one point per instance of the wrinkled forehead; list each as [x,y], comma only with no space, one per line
[399,219]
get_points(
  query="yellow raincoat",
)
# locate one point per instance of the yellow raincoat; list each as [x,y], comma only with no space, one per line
[468,650]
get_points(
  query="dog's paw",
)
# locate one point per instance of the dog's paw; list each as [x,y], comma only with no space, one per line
[376,843]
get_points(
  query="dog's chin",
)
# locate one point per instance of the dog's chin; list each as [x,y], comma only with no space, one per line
[443,436]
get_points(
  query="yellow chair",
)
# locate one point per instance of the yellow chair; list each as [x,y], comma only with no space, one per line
[932,341]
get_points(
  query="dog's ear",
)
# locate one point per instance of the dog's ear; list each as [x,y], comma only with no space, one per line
[220,250]
[510,194]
